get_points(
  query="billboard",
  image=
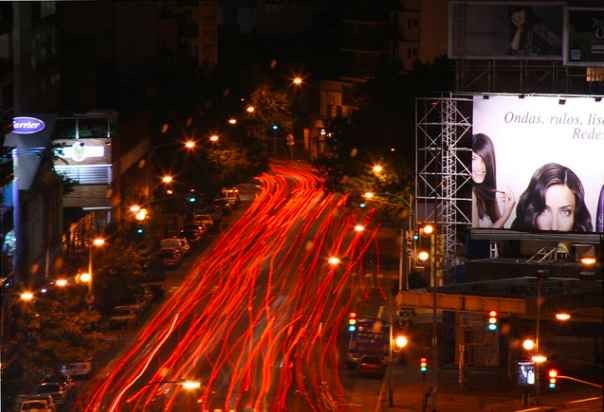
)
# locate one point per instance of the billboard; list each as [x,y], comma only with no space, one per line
[506,30]
[584,36]
[537,163]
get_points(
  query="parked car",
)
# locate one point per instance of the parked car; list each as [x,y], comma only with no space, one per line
[170,257]
[203,219]
[179,243]
[371,365]
[54,389]
[77,370]
[193,233]
[65,380]
[124,315]
[231,194]
[35,403]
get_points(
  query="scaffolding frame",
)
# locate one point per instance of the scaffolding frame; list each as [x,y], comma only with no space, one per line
[443,176]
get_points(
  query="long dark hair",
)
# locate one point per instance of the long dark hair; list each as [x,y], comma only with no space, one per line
[486,191]
[532,202]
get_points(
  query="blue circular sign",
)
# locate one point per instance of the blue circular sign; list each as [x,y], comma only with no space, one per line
[27,125]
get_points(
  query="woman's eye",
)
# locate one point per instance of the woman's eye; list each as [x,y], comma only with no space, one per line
[567,213]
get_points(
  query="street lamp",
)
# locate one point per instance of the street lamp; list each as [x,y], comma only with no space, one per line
[368,195]
[359,228]
[423,256]
[562,316]
[190,144]
[141,215]
[528,344]
[539,359]
[61,282]
[250,109]
[334,260]
[588,261]
[428,229]
[377,168]
[297,81]
[232,121]
[214,138]
[135,208]
[85,277]
[167,179]
[190,385]
[26,296]
[98,242]
[401,341]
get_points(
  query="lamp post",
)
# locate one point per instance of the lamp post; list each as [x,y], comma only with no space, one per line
[540,276]
[97,242]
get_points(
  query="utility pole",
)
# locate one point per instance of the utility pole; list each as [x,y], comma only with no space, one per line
[433,281]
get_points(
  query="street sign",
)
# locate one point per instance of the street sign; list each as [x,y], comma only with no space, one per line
[526,373]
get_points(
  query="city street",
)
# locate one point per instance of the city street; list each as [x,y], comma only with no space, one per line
[241,322]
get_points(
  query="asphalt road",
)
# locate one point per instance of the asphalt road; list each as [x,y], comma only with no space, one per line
[258,319]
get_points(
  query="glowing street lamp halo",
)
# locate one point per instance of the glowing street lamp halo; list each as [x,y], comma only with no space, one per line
[141,215]
[167,179]
[26,296]
[377,168]
[232,121]
[297,80]
[190,385]
[98,241]
[588,261]
[85,277]
[528,344]
[428,229]
[423,255]
[134,208]
[334,260]
[61,282]
[190,144]
[214,138]
[401,341]
[368,195]
[562,316]
[250,109]
[359,228]
[539,358]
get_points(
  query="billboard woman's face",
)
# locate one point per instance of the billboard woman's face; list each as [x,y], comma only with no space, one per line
[559,213]
[479,169]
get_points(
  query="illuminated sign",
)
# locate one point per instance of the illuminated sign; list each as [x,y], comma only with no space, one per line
[27,125]
[537,163]
[79,152]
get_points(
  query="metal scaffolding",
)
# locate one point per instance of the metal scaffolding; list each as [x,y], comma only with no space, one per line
[443,179]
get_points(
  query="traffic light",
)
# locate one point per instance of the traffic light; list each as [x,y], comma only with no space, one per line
[352,322]
[492,325]
[553,375]
[139,231]
[192,199]
[423,365]
[275,127]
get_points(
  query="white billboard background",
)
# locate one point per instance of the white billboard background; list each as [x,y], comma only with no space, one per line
[527,133]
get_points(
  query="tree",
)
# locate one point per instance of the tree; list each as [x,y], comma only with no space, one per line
[272,107]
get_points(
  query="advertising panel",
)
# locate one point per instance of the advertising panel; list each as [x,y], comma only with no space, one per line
[584,37]
[506,30]
[537,163]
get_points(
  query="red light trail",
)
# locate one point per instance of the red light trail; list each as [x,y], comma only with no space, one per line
[258,317]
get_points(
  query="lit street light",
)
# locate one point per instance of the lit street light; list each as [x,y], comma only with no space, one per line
[401,341]
[297,81]
[26,296]
[62,282]
[528,344]
[167,179]
[190,385]
[250,109]
[214,138]
[368,195]
[98,242]
[85,277]
[190,144]
[135,208]
[359,228]
[377,168]
[428,229]
[562,316]
[232,121]
[334,260]
[423,256]
[539,358]
[588,261]
[141,215]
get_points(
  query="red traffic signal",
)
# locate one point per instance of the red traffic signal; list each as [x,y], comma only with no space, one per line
[492,325]
[423,365]
[352,322]
[553,374]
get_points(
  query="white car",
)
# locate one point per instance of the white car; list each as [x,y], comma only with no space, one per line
[77,370]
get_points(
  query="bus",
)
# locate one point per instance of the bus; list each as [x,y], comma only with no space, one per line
[371,338]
